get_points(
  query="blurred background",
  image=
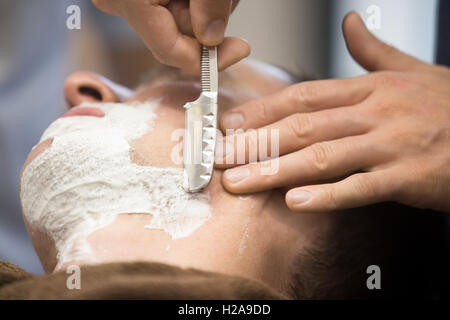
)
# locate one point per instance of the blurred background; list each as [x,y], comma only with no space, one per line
[38,51]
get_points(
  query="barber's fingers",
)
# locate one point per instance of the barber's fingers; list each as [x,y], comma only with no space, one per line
[319,162]
[373,54]
[355,191]
[209,20]
[156,26]
[290,134]
[231,51]
[303,97]
[181,13]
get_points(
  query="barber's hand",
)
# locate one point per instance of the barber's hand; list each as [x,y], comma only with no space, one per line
[347,143]
[174,30]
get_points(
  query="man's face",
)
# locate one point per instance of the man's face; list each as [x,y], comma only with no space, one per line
[254,236]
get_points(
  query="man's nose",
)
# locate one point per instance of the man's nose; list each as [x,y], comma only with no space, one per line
[87,87]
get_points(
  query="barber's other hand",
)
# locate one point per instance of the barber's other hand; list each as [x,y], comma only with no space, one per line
[347,143]
[174,30]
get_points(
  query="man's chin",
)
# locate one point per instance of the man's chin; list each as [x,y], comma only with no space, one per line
[34,153]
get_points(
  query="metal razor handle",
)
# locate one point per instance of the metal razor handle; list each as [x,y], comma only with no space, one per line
[201,127]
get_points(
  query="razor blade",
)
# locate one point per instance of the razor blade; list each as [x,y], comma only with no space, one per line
[201,126]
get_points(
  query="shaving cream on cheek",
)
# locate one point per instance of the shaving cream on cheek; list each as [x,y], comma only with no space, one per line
[86,179]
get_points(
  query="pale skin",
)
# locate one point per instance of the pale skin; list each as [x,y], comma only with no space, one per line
[256,237]
[174,30]
[346,143]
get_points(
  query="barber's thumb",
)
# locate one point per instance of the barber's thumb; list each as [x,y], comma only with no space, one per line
[372,53]
[214,32]
[209,20]
[358,39]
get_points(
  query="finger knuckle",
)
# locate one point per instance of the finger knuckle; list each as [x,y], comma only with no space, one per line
[304,94]
[366,185]
[263,113]
[300,125]
[320,158]
[332,197]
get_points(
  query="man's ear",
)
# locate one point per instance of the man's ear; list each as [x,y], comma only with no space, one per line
[372,53]
[87,87]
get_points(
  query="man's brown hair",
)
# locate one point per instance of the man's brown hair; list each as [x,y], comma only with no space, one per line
[409,245]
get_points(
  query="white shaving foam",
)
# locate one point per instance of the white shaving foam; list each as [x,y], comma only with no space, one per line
[86,179]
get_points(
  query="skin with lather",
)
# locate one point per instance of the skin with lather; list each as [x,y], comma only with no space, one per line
[256,237]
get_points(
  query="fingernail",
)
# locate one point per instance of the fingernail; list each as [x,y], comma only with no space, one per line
[299,196]
[237,174]
[214,31]
[233,121]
